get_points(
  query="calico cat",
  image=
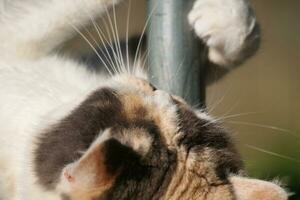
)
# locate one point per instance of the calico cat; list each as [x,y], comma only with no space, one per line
[67,133]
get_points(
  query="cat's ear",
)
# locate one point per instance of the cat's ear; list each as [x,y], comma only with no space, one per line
[102,163]
[253,189]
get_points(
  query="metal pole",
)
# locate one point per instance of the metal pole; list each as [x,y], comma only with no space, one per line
[174,51]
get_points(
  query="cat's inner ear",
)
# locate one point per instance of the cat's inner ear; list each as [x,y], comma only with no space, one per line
[100,165]
[252,189]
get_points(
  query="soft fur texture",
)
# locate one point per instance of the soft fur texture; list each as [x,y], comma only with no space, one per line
[68,133]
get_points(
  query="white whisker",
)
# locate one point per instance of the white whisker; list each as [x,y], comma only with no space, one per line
[106,53]
[127,35]
[230,116]
[116,48]
[99,47]
[122,66]
[142,35]
[264,126]
[273,153]
[93,48]
[107,41]
[218,102]
[145,59]
[179,68]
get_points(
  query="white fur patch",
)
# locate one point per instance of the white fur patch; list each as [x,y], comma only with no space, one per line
[37,88]
[223,26]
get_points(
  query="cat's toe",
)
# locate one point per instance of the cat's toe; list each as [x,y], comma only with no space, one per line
[223,26]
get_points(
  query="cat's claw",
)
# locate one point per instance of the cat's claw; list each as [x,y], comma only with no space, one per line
[223,26]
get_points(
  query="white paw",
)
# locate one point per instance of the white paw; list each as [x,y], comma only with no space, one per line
[223,25]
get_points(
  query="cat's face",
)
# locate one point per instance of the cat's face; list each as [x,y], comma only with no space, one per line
[138,143]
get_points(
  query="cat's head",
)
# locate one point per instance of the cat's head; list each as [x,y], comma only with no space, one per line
[132,141]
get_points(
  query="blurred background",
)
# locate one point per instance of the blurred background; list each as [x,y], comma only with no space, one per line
[268,88]
[259,101]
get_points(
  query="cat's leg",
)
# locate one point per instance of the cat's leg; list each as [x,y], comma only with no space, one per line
[228,28]
[33,28]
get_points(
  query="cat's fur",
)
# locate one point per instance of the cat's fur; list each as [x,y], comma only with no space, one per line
[68,133]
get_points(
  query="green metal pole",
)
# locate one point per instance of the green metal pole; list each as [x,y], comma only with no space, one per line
[175,56]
